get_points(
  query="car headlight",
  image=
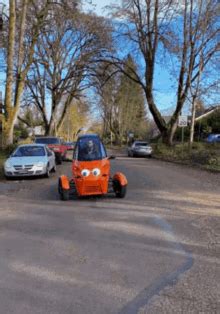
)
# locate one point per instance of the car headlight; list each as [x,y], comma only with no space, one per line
[8,164]
[96,172]
[85,172]
[40,164]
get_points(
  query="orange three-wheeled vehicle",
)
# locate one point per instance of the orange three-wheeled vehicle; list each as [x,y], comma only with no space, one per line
[91,171]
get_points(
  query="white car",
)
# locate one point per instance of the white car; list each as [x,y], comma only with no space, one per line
[30,160]
[140,148]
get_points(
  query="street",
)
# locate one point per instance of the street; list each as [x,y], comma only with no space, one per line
[156,251]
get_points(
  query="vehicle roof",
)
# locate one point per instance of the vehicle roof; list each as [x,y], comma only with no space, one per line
[140,141]
[46,137]
[32,144]
[213,135]
[88,136]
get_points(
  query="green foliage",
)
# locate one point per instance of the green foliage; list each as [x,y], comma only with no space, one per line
[131,102]
[123,105]
[3,156]
[210,124]
[20,132]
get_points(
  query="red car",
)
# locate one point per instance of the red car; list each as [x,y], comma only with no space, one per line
[56,144]
[91,171]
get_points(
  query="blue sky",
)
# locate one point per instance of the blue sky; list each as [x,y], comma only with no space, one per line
[98,6]
[164,96]
[165,93]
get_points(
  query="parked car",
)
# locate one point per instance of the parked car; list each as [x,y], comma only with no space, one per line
[140,148]
[56,144]
[70,145]
[30,160]
[213,138]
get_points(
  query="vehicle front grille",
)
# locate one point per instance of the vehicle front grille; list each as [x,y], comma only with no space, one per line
[21,168]
[93,189]
[23,173]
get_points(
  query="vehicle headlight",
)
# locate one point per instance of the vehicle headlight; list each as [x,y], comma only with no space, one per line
[96,172]
[85,172]
[40,164]
[8,164]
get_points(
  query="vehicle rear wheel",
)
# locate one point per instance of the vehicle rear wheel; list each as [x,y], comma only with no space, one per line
[59,160]
[64,196]
[120,190]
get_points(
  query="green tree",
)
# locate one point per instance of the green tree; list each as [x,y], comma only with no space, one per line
[132,113]
[77,117]
[122,102]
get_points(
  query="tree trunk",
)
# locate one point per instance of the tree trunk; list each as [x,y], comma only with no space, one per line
[7,133]
[192,126]
[168,135]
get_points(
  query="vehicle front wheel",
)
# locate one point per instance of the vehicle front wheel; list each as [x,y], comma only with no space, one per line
[120,190]
[54,169]
[47,174]
[64,194]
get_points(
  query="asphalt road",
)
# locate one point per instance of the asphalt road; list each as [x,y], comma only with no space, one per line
[156,251]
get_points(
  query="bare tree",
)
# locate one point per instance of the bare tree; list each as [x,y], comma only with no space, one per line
[187,29]
[65,58]
[19,57]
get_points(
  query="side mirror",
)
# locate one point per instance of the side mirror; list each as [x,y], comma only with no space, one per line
[112,157]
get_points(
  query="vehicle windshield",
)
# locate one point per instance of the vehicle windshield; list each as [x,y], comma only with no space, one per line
[88,149]
[141,144]
[29,151]
[47,140]
[70,143]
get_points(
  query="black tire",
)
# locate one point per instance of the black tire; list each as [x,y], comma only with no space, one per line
[59,159]
[47,174]
[120,190]
[64,194]
[54,168]
[59,186]
[8,177]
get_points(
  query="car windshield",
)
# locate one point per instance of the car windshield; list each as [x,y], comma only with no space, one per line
[88,149]
[47,140]
[29,151]
[70,143]
[141,144]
